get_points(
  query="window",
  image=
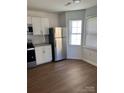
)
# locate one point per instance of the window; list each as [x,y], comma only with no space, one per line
[91,33]
[75,32]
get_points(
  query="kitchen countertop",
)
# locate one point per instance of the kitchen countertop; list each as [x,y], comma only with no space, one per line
[43,44]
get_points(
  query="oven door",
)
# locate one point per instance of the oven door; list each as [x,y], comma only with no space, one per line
[31,55]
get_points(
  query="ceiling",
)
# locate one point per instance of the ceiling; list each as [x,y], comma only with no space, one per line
[59,5]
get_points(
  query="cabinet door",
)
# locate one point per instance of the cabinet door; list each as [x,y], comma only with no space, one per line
[45,26]
[29,20]
[43,54]
[48,53]
[36,22]
[39,51]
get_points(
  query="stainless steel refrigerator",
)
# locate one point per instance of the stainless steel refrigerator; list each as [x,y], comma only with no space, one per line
[58,41]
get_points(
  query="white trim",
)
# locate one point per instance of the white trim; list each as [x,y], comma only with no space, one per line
[87,17]
[90,62]
[91,48]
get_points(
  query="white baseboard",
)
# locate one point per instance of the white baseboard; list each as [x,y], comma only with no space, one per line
[91,62]
[84,59]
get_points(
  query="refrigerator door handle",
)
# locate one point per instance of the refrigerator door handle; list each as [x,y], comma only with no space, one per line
[55,43]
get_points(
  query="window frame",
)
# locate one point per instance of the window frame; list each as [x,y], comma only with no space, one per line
[85,34]
[71,33]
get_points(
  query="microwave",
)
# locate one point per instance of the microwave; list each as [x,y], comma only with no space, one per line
[29,28]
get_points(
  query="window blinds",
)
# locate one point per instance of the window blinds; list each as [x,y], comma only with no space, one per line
[91,33]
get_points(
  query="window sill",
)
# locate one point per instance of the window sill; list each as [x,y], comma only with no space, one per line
[90,48]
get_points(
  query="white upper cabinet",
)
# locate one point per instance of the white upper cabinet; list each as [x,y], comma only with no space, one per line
[40,26]
[45,26]
[36,23]
[29,20]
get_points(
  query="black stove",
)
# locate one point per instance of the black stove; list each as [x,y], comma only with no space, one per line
[31,58]
[30,45]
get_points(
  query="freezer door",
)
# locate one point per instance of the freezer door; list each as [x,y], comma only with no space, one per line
[59,50]
[58,32]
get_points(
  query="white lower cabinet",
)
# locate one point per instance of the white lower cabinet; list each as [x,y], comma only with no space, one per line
[43,54]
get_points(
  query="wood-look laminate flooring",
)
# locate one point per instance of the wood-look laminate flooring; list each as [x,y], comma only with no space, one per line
[67,76]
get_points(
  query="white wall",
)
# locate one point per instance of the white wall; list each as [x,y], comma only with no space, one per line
[74,52]
[62,19]
[53,17]
[90,55]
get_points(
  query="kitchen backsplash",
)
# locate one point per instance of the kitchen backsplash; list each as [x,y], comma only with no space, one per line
[38,39]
